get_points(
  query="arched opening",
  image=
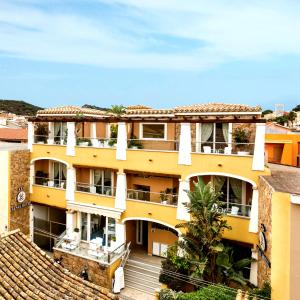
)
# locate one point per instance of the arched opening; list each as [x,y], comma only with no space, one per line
[149,237]
[236,193]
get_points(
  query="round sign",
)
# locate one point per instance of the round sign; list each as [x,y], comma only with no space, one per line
[21,196]
[262,241]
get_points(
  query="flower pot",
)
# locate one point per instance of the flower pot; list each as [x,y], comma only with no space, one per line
[207,149]
[243,153]
[83,144]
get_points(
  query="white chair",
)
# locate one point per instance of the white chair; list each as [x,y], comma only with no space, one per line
[234,210]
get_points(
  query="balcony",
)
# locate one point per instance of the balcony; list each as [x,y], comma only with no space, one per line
[49,196]
[93,250]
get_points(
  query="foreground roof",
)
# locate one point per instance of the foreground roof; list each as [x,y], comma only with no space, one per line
[13,134]
[26,272]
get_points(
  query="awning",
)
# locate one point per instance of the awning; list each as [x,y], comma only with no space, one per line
[95,209]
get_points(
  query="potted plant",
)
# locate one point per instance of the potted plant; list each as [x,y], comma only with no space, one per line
[41,133]
[134,143]
[113,135]
[241,138]
[84,142]
[40,178]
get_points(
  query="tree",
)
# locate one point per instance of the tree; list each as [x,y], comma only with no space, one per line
[292,117]
[267,111]
[117,109]
[296,108]
[202,241]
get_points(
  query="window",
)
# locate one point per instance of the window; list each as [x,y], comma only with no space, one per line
[60,132]
[84,226]
[59,174]
[153,131]
[103,181]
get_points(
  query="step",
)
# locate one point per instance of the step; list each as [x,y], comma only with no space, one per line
[140,287]
[142,271]
[142,280]
[153,268]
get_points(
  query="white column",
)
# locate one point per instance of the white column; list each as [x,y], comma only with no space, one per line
[120,234]
[185,144]
[94,139]
[30,135]
[31,176]
[230,138]
[253,269]
[182,213]
[120,201]
[71,183]
[69,222]
[71,139]
[51,133]
[121,141]
[258,163]
[253,224]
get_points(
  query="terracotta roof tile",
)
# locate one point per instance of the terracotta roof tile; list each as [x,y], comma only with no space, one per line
[149,111]
[216,107]
[138,106]
[26,272]
[70,110]
[13,134]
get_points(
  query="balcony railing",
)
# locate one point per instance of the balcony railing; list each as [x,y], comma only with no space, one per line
[45,139]
[95,189]
[234,209]
[161,198]
[50,182]
[160,145]
[223,148]
[90,250]
[96,142]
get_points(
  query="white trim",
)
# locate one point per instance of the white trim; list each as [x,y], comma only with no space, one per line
[95,209]
[50,158]
[153,139]
[222,174]
[295,199]
[151,220]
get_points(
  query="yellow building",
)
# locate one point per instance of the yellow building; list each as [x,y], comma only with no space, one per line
[110,180]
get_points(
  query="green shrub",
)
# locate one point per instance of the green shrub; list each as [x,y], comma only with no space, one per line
[265,291]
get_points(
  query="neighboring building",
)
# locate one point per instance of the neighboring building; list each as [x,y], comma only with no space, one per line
[111,187]
[28,273]
[282,145]
[14,188]
[279,219]
[13,135]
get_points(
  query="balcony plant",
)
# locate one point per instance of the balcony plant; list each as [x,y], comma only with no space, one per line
[84,142]
[134,143]
[241,138]
[41,133]
[113,135]
[41,178]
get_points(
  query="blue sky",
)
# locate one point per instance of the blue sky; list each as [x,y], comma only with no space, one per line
[161,53]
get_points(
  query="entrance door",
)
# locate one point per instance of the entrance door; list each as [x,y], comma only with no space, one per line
[142,233]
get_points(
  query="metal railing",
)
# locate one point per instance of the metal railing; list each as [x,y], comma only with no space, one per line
[50,140]
[223,148]
[234,209]
[162,197]
[96,142]
[50,182]
[95,189]
[160,145]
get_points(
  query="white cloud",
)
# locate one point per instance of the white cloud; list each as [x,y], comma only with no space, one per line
[226,30]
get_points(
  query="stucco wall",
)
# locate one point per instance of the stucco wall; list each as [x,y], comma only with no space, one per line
[4,190]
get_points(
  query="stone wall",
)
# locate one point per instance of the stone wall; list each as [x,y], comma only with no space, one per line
[98,274]
[265,213]
[19,181]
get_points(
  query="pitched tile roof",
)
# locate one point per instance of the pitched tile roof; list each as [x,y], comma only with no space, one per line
[138,106]
[70,110]
[216,107]
[13,134]
[26,272]
[150,111]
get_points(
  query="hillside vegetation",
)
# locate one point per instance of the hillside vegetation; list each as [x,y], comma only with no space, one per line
[19,107]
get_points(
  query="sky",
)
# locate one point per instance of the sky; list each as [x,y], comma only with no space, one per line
[161,53]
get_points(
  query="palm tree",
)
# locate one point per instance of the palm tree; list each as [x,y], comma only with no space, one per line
[117,109]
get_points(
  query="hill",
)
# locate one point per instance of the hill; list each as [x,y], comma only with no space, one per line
[95,107]
[19,107]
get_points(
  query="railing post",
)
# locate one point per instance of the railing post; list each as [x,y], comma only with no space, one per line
[30,135]
[120,200]
[121,141]
[71,139]
[258,163]
[185,144]
[182,213]
[70,188]
[253,224]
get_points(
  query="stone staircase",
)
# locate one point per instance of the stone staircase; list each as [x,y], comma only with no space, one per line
[142,276]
